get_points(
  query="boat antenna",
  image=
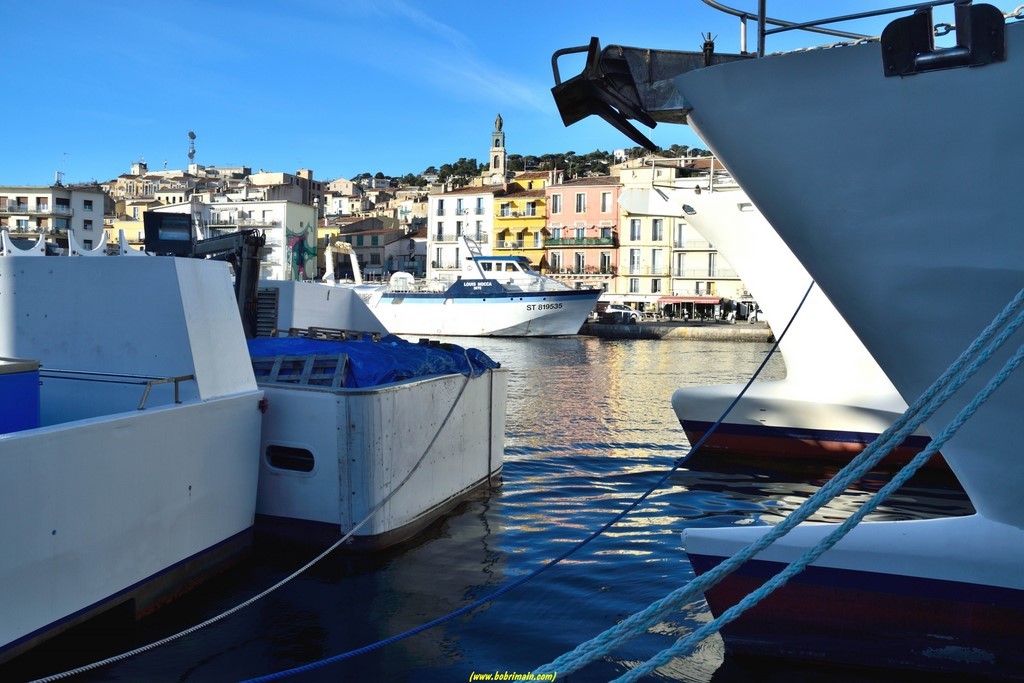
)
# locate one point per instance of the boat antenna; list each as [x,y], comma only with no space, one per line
[709,47]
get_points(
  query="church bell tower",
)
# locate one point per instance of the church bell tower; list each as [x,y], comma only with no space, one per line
[498,156]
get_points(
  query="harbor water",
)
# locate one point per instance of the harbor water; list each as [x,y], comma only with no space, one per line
[590,428]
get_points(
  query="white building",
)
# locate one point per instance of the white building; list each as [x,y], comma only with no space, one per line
[467,211]
[54,210]
[290,228]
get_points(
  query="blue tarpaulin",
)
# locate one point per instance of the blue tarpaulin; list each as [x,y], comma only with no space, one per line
[372,363]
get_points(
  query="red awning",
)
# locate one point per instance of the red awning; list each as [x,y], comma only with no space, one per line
[690,300]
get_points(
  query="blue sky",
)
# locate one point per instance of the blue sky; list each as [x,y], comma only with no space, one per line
[339,87]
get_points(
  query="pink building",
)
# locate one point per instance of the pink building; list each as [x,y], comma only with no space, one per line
[583,231]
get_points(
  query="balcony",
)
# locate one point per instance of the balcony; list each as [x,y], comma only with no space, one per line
[588,270]
[702,245]
[704,273]
[580,242]
[648,270]
[453,237]
[218,223]
[37,210]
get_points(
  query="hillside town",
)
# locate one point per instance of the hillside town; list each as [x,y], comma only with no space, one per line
[568,222]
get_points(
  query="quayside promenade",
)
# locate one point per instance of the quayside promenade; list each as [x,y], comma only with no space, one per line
[708,330]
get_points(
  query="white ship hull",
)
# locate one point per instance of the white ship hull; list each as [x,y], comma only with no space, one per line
[858,175]
[104,503]
[520,314]
[868,179]
[834,400]
[361,444]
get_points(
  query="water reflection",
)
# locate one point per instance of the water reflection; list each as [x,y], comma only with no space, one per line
[590,427]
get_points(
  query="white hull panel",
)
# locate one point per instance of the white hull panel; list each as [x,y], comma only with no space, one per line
[528,315]
[365,441]
[106,502]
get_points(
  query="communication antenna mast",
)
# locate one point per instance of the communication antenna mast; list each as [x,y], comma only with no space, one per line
[191,146]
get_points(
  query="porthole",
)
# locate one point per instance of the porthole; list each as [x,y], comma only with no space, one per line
[290,458]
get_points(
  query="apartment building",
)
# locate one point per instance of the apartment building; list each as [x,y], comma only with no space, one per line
[463,212]
[581,248]
[520,218]
[54,210]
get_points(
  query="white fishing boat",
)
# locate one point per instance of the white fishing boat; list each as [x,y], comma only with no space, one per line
[848,152]
[834,399]
[375,436]
[361,425]
[129,439]
[496,296]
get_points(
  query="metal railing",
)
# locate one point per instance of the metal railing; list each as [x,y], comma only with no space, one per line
[148,381]
[579,242]
[815,26]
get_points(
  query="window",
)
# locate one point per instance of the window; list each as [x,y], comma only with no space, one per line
[556,203]
[606,233]
[581,202]
[634,285]
[135,212]
[657,261]
[634,261]
[373,240]
[479,230]
[440,207]
[634,229]
[87,204]
[655,286]
[22,223]
[87,225]
[657,232]
[606,202]
[289,458]
[606,262]
[581,233]
[374,259]
[458,228]
[87,244]
[459,210]
[531,208]
[579,262]
[538,240]
[556,261]
[556,233]
[487,265]
[440,230]
[359,240]
[479,206]
[505,210]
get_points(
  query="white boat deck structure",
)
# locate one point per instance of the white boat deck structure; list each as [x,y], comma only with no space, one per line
[129,489]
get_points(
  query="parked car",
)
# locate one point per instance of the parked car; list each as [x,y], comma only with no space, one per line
[619,314]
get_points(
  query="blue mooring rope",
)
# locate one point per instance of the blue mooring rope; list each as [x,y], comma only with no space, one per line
[922,409]
[551,563]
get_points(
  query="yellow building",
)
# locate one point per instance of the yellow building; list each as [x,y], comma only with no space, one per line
[520,216]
